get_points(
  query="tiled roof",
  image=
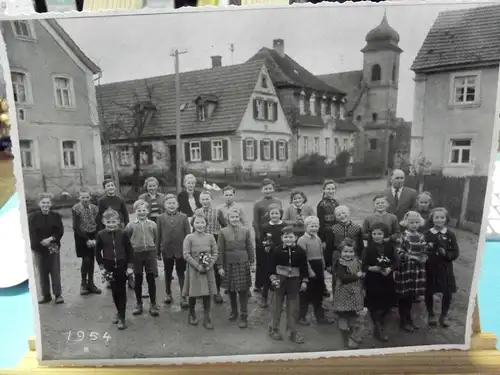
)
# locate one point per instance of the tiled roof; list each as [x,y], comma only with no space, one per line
[285,71]
[346,125]
[466,36]
[348,82]
[310,121]
[231,85]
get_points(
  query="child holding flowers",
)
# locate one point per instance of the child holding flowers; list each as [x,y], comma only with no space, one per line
[200,253]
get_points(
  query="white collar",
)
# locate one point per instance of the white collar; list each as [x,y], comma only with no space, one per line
[442,231]
[393,189]
[278,223]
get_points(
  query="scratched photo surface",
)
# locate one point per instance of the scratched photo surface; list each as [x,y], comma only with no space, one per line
[325,193]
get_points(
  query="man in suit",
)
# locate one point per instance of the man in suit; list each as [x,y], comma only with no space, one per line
[401,198]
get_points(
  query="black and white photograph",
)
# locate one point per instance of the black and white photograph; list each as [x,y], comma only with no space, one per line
[248,184]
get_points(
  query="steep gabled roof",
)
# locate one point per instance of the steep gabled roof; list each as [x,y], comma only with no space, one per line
[349,82]
[285,71]
[72,45]
[231,86]
[461,37]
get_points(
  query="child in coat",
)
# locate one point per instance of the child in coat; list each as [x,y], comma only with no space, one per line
[297,211]
[236,260]
[173,227]
[379,260]
[228,193]
[381,215]
[200,253]
[154,199]
[348,294]
[143,238]
[215,221]
[409,276]
[84,216]
[260,218]
[114,254]
[290,276]
[311,243]
[271,239]
[442,252]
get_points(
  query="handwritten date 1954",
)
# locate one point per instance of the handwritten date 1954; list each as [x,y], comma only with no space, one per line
[77,336]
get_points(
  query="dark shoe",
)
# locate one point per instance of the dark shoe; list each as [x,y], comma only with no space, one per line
[218,299]
[243,322]
[192,320]
[304,322]
[324,321]
[121,325]
[115,319]
[233,316]
[154,310]
[297,337]
[443,322]
[45,300]
[184,303]
[276,335]
[379,334]
[352,344]
[415,326]
[137,309]
[94,289]
[168,299]
[59,300]
[407,327]
[432,321]
[84,290]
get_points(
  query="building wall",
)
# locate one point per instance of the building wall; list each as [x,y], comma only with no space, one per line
[436,120]
[45,125]
[337,141]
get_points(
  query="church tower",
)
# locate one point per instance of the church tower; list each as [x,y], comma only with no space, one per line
[381,56]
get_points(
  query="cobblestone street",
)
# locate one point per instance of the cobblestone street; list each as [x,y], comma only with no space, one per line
[93,336]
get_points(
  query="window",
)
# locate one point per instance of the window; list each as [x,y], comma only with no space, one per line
[69,151]
[465,89]
[316,145]
[302,105]
[259,109]
[270,111]
[327,147]
[63,91]
[358,118]
[146,155]
[334,110]
[202,113]
[374,116]
[312,104]
[346,144]
[21,115]
[217,150]
[194,151]
[460,151]
[124,156]
[323,107]
[394,73]
[342,112]
[263,81]
[27,154]
[282,150]
[306,145]
[376,73]
[250,149]
[373,143]
[20,87]
[336,146]
[23,30]
[266,149]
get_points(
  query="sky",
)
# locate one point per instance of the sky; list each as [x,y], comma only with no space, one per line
[325,39]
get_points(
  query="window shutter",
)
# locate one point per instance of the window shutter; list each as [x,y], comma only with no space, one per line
[206,151]
[286,150]
[255,112]
[244,149]
[150,154]
[225,151]
[255,149]
[262,150]
[271,149]
[277,144]
[275,111]
[187,154]
[266,110]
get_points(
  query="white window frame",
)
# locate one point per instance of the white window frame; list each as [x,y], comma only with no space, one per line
[201,108]
[270,111]
[142,153]
[336,146]
[345,145]
[34,154]
[71,91]
[259,103]
[125,149]
[281,150]
[250,149]
[27,86]
[194,146]
[323,107]
[312,104]
[78,154]
[477,88]
[305,139]
[217,149]
[342,111]
[450,148]
[316,145]
[327,147]
[266,149]
[333,109]
[29,25]
[302,103]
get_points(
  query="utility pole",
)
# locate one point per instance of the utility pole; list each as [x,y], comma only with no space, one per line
[178,146]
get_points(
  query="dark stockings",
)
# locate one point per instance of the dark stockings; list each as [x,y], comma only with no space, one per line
[150,279]
[87,271]
[192,305]
[405,305]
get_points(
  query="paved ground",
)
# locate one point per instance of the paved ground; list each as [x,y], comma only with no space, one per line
[88,318]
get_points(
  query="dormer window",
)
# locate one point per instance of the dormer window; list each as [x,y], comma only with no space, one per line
[323,106]
[312,104]
[342,111]
[202,112]
[205,106]
[302,103]
[333,109]
[263,82]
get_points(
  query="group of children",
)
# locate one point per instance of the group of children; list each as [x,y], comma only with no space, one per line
[375,267]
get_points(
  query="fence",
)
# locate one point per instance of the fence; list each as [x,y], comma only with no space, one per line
[463,197]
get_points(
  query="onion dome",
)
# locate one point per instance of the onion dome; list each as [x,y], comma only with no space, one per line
[381,37]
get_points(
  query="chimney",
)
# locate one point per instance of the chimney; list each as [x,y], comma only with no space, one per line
[279,46]
[216,61]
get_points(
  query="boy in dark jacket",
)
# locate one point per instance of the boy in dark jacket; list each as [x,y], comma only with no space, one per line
[114,255]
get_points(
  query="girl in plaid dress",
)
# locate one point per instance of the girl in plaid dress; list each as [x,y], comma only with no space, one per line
[409,276]
[236,261]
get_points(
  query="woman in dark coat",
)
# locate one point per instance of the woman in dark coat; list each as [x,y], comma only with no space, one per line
[189,198]
[442,252]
